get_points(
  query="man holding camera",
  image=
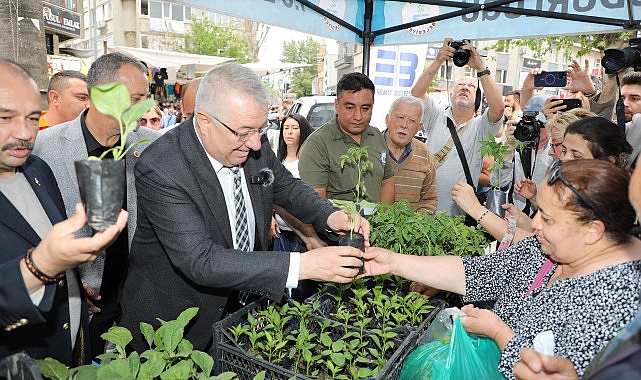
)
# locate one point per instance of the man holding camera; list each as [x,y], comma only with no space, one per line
[470,130]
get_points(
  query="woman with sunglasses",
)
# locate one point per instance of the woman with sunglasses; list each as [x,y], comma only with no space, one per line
[151,119]
[579,276]
[588,138]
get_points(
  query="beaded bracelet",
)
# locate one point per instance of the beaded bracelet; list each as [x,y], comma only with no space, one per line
[36,272]
[478,221]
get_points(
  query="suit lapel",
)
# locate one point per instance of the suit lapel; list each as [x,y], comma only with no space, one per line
[207,180]
[72,150]
[12,218]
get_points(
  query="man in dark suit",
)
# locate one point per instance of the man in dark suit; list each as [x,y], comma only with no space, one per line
[41,299]
[187,250]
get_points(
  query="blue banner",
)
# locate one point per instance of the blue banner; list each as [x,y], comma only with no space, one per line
[486,24]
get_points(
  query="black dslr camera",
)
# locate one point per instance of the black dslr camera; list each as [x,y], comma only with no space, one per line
[528,128]
[461,56]
[618,59]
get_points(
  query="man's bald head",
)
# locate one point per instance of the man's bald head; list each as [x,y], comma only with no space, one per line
[188,101]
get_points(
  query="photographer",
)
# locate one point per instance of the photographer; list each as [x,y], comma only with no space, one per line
[471,130]
[534,160]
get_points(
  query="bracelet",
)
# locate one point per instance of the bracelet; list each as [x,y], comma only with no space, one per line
[478,220]
[36,272]
[593,93]
[484,72]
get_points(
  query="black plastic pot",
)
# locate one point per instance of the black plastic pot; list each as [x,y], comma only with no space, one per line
[496,198]
[357,241]
[102,191]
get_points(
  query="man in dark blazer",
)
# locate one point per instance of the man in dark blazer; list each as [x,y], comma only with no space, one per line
[41,302]
[184,249]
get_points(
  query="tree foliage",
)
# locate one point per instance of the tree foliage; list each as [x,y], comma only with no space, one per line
[572,46]
[303,51]
[209,39]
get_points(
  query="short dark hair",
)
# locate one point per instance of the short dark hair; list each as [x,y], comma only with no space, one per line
[105,68]
[354,82]
[631,78]
[605,139]
[305,131]
[515,94]
[606,185]
[59,81]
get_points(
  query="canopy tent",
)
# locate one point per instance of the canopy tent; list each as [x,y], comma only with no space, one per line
[263,69]
[396,22]
[177,61]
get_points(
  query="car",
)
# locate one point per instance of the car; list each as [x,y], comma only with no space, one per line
[318,110]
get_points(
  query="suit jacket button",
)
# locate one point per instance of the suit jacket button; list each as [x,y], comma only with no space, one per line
[65,326]
[221,308]
[61,283]
[23,321]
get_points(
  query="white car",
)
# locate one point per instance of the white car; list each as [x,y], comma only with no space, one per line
[318,110]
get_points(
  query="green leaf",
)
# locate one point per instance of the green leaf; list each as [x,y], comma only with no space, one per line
[87,372]
[116,369]
[185,348]
[225,376]
[203,360]
[260,376]
[111,99]
[117,335]
[53,369]
[172,335]
[148,332]
[338,359]
[153,366]
[186,316]
[179,371]
[131,115]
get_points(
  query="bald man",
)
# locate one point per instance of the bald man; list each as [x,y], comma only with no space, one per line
[187,102]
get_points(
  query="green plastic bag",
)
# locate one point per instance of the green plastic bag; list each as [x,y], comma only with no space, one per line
[458,356]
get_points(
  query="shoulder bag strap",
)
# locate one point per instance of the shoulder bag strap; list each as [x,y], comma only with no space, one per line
[461,153]
[439,157]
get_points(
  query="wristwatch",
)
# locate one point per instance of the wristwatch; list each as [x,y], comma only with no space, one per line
[484,72]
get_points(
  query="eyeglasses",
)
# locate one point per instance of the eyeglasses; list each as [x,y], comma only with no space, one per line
[153,121]
[555,146]
[555,174]
[242,137]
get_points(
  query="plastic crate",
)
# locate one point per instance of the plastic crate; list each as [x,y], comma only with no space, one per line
[229,356]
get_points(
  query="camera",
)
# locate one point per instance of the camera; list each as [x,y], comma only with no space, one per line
[461,56]
[617,59]
[528,128]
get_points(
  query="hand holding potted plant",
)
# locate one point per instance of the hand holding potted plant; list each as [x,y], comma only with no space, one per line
[102,181]
[499,151]
[357,157]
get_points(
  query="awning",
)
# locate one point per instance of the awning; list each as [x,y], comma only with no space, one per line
[177,61]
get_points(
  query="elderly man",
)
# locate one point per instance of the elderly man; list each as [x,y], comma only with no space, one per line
[90,134]
[205,195]
[471,130]
[319,158]
[42,309]
[414,171]
[67,97]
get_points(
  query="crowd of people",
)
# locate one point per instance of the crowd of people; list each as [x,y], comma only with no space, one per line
[214,217]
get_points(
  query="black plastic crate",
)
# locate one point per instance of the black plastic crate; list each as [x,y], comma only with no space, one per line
[229,356]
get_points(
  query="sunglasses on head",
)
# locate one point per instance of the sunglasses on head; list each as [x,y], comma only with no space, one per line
[153,121]
[555,174]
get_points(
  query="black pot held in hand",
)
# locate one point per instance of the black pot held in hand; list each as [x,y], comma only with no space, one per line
[102,191]
[357,241]
[496,198]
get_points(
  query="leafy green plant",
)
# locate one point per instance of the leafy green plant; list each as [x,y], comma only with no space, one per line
[396,227]
[113,99]
[170,357]
[497,150]
[358,157]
